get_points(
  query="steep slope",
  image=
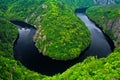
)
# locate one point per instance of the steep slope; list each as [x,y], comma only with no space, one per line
[73,4]
[108,17]
[88,3]
[104,2]
[93,69]
[9,68]
[29,11]
[56,27]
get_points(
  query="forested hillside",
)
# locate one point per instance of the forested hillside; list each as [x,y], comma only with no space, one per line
[47,16]
[107,17]
[57,25]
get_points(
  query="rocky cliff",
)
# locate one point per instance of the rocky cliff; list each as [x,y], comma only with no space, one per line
[104,2]
[90,69]
[114,26]
[108,17]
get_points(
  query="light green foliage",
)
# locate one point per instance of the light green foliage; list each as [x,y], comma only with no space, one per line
[105,17]
[9,68]
[93,69]
[24,9]
[107,12]
[62,33]
[57,16]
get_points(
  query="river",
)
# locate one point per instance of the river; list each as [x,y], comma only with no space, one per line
[26,52]
[99,46]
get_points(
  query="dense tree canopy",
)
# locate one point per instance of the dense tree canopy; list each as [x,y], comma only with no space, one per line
[58,24]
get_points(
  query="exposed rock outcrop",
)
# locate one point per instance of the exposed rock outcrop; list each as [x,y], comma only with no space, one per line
[104,2]
[114,26]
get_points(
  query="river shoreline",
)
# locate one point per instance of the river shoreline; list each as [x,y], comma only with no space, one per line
[27,53]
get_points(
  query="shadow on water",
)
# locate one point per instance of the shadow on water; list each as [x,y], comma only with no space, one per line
[101,45]
[26,52]
[81,10]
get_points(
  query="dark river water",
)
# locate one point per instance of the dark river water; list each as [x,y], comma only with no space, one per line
[26,52]
[100,46]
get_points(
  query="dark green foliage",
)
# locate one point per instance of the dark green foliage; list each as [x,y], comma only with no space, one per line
[59,16]
[117,1]
[8,33]
[73,4]
[106,17]
[108,12]
[9,68]
[23,9]
[62,33]
[93,69]
[56,23]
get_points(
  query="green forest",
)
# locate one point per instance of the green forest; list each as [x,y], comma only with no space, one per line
[61,35]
